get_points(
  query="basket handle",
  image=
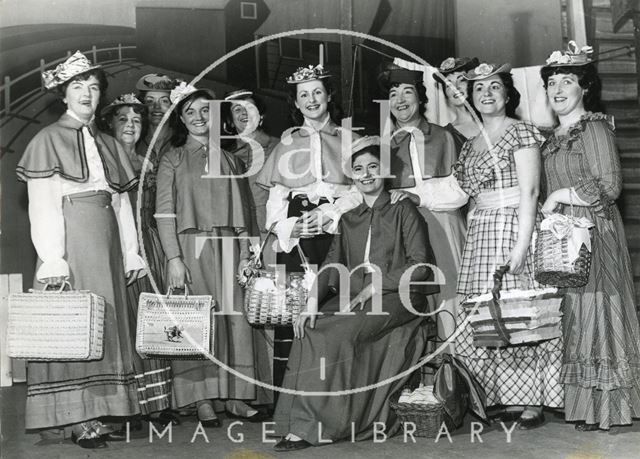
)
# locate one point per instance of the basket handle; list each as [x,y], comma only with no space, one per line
[494,307]
[61,288]
[303,257]
[186,291]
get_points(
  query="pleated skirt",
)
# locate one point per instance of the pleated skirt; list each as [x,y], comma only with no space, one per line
[63,393]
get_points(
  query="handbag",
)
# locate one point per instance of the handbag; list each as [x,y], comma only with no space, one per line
[518,317]
[563,250]
[274,297]
[175,326]
[56,325]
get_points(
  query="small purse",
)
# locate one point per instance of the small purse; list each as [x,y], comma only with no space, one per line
[177,327]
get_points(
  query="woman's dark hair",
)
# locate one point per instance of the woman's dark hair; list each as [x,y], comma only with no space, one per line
[105,122]
[61,90]
[227,118]
[335,112]
[373,150]
[422,96]
[588,80]
[180,132]
[513,95]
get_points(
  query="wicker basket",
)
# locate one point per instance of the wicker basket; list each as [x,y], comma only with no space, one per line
[175,326]
[552,265]
[428,419]
[518,318]
[270,298]
[56,325]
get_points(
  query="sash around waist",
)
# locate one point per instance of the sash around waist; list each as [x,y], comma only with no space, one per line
[496,199]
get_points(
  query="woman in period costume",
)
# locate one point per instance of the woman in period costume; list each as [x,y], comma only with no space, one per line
[451,79]
[153,91]
[83,230]
[384,241]
[126,117]
[601,365]
[500,170]
[422,157]
[308,189]
[189,208]
[243,117]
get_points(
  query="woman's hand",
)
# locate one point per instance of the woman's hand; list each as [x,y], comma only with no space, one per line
[242,265]
[177,273]
[309,315]
[399,195]
[517,259]
[550,204]
[55,281]
[362,298]
[307,226]
[134,275]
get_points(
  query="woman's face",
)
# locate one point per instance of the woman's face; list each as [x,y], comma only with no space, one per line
[195,116]
[565,93]
[366,174]
[246,117]
[126,125]
[490,96]
[82,97]
[405,103]
[457,92]
[157,103]
[312,99]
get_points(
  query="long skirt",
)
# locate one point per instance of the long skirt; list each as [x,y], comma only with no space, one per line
[213,272]
[515,375]
[62,393]
[446,237]
[350,352]
[601,365]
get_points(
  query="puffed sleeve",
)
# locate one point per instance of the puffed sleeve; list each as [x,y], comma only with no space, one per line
[47,226]
[605,183]
[166,206]
[128,235]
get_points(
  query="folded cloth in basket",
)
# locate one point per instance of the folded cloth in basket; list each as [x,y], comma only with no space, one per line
[421,395]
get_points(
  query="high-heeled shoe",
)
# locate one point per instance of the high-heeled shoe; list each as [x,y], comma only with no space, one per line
[206,414]
[529,423]
[86,437]
[584,427]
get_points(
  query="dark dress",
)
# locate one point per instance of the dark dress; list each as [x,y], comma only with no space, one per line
[346,352]
[601,364]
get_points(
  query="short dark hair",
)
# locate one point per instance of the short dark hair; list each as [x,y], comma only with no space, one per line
[422,96]
[227,118]
[105,122]
[373,150]
[334,109]
[84,76]
[180,132]
[588,80]
[513,95]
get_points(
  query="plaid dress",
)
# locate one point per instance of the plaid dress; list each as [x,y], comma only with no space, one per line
[515,375]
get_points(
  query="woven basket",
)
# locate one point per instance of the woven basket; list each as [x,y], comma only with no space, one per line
[56,325]
[513,320]
[428,419]
[177,327]
[270,299]
[552,265]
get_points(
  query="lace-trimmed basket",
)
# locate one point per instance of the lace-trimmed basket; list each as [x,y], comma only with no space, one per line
[427,418]
[56,325]
[177,327]
[271,298]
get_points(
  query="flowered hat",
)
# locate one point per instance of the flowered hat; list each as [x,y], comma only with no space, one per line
[238,94]
[181,90]
[310,73]
[486,70]
[573,56]
[396,74]
[155,82]
[74,65]
[122,100]
[454,64]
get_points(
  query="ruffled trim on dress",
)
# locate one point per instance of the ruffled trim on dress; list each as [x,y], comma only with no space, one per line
[601,374]
[521,134]
[555,143]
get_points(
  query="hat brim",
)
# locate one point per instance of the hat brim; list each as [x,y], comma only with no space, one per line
[109,109]
[321,77]
[569,64]
[141,85]
[471,75]
[439,73]
[66,80]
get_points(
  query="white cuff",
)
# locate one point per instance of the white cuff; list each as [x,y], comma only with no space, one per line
[283,230]
[330,212]
[53,268]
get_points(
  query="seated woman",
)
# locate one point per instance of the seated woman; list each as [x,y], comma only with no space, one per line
[380,242]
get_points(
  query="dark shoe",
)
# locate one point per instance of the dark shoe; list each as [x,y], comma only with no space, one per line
[88,442]
[290,445]
[258,417]
[211,423]
[530,423]
[506,416]
[584,427]
[165,418]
